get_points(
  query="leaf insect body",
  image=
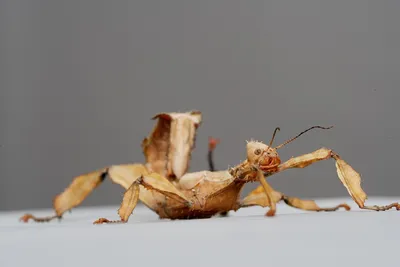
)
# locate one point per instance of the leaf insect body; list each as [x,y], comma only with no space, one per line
[164,185]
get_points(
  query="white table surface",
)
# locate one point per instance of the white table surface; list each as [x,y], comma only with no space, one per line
[246,238]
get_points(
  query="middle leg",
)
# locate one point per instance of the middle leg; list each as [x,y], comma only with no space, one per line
[257,197]
[153,182]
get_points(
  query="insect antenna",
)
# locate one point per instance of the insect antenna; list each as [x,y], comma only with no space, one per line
[273,136]
[303,132]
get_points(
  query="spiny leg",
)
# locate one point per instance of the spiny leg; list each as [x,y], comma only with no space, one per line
[257,197]
[153,181]
[269,191]
[270,196]
[310,205]
[347,175]
[129,202]
[26,217]
[82,186]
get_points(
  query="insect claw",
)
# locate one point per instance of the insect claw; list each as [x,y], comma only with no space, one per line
[270,213]
[26,218]
[104,220]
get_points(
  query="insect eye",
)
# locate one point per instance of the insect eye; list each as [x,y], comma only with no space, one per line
[257,151]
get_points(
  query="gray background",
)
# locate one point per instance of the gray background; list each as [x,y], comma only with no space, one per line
[81,79]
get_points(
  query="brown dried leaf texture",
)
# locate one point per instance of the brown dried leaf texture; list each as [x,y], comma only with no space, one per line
[306,159]
[310,205]
[302,204]
[258,197]
[171,142]
[201,178]
[126,174]
[83,185]
[167,151]
[351,180]
[347,175]
[155,146]
[157,182]
[129,202]
[79,189]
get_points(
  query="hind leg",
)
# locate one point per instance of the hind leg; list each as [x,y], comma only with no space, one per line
[82,186]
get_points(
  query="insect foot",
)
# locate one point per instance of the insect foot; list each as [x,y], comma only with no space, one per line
[28,217]
[383,208]
[104,220]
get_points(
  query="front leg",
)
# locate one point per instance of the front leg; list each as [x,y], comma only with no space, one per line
[347,175]
[253,173]
[269,192]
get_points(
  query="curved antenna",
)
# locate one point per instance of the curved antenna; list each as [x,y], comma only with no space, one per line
[273,136]
[292,139]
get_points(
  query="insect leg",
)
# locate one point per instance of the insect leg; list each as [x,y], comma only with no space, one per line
[82,186]
[257,197]
[269,192]
[347,175]
[153,181]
